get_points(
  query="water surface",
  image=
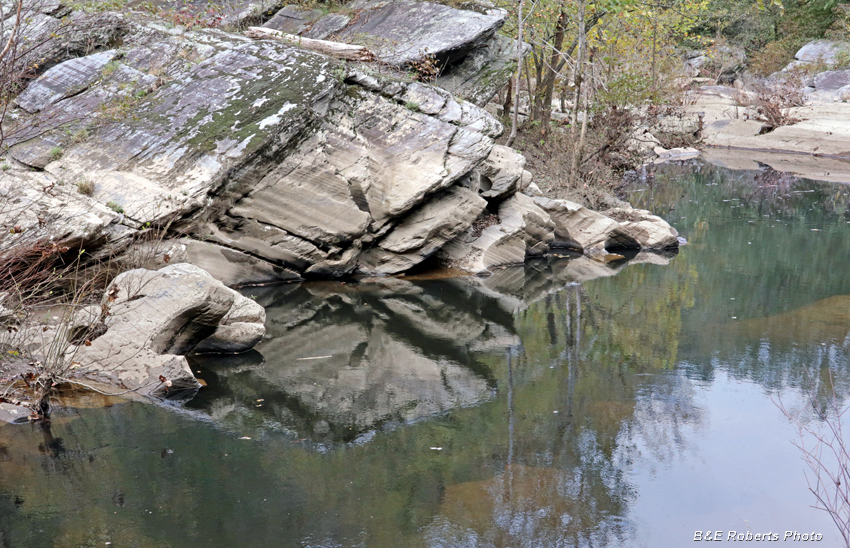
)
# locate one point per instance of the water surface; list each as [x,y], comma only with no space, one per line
[537,407]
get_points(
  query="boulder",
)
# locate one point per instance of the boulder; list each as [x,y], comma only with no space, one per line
[404,32]
[579,228]
[651,231]
[479,251]
[423,232]
[831,81]
[829,52]
[240,329]
[501,172]
[519,211]
[13,414]
[152,319]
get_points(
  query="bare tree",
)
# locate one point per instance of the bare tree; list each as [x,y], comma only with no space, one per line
[35,35]
[519,52]
[825,451]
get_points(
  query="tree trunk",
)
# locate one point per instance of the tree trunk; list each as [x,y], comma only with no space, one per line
[518,71]
[579,76]
[552,73]
[506,106]
[332,49]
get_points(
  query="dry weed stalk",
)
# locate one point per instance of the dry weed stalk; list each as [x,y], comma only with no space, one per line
[825,452]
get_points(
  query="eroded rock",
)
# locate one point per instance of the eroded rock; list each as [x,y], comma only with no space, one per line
[579,228]
[521,212]
[424,231]
[501,172]
[651,231]
[404,32]
[156,317]
[822,51]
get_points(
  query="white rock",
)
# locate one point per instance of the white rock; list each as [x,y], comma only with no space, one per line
[501,172]
[579,228]
[651,231]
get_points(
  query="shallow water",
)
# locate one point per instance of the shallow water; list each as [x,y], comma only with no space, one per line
[525,409]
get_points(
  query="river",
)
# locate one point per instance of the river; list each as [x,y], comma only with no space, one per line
[537,407]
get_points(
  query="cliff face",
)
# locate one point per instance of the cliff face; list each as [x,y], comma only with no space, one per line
[277,163]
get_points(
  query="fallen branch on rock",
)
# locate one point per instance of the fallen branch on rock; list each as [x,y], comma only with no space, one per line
[338,50]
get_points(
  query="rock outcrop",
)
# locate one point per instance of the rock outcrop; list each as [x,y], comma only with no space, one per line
[278,163]
[404,32]
[149,320]
[828,52]
[263,162]
[461,46]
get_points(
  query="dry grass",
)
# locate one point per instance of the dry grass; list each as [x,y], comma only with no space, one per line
[596,183]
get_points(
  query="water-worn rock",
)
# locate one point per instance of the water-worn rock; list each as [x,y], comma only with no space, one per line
[155,318]
[651,231]
[229,266]
[38,212]
[579,228]
[257,146]
[496,245]
[521,212]
[14,414]
[239,330]
[501,172]
[424,231]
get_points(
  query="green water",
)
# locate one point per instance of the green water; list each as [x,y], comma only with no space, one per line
[527,409]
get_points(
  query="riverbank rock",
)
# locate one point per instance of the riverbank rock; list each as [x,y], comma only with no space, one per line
[480,250]
[521,213]
[501,173]
[400,33]
[828,52]
[818,127]
[238,331]
[276,163]
[579,228]
[39,214]
[650,231]
[271,154]
[830,85]
[153,319]
[473,62]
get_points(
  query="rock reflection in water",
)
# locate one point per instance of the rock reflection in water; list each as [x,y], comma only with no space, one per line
[341,359]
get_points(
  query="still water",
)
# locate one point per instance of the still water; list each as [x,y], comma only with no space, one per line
[542,406]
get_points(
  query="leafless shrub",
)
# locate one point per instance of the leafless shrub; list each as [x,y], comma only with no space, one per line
[825,451]
[35,35]
[773,103]
[598,177]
